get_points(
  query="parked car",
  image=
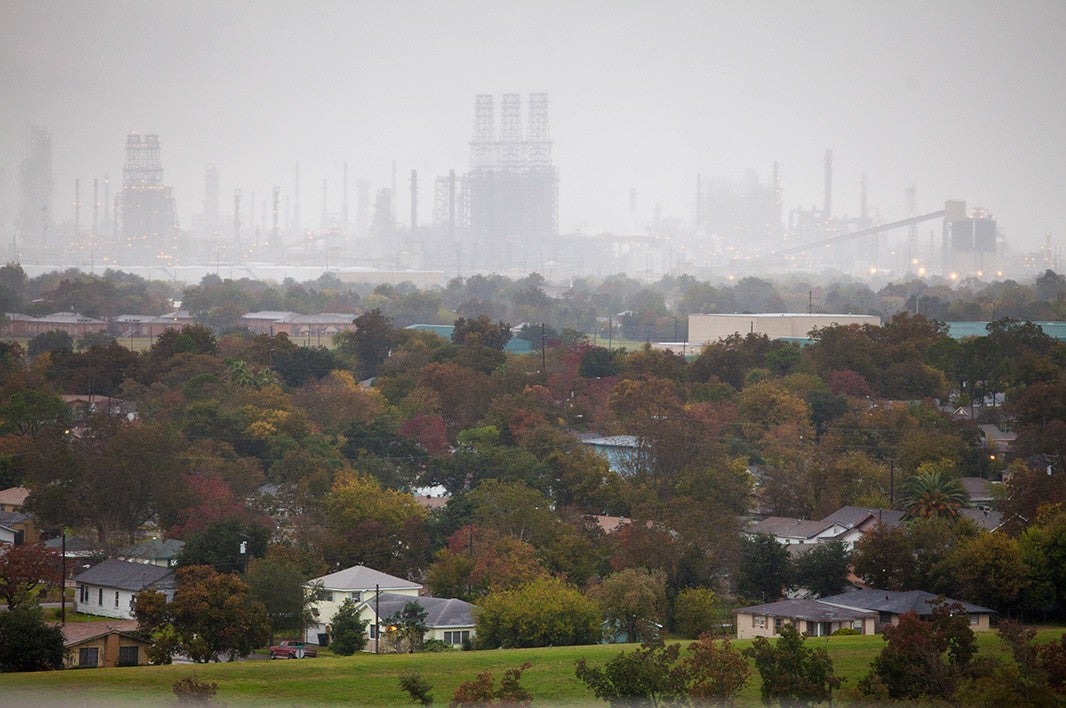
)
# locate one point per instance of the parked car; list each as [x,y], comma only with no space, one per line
[292,649]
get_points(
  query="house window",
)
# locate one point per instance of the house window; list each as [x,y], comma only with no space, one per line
[357,596]
[325,595]
[128,656]
[975,620]
[457,637]
[856,624]
[88,656]
[116,598]
[373,631]
[83,594]
[100,597]
[758,621]
[777,625]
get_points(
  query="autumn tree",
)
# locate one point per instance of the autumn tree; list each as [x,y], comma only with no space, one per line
[884,558]
[215,615]
[24,569]
[717,671]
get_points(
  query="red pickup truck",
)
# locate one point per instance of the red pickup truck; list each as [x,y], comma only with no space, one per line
[292,649]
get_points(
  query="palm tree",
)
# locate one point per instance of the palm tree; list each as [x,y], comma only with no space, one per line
[935,493]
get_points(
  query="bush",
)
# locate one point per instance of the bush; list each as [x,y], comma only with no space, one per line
[192,690]
[846,632]
[27,643]
[434,645]
[417,688]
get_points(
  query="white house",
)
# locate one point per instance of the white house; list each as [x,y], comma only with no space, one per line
[107,589]
[358,584]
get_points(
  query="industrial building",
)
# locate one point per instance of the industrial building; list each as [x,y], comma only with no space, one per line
[149,222]
[711,328]
[35,215]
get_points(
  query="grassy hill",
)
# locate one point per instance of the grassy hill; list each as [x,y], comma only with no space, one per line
[366,679]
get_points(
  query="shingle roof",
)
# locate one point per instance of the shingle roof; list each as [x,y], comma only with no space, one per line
[813,610]
[986,519]
[155,548]
[895,601]
[850,516]
[15,496]
[124,575]
[78,632]
[440,611]
[793,528]
[359,577]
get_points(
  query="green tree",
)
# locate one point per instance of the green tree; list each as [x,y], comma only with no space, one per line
[791,672]
[481,332]
[696,611]
[824,569]
[544,612]
[410,623]
[27,642]
[369,344]
[650,675]
[990,570]
[52,342]
[348,632]
[632,600]
[764,570]
[219,545]
[278,583]
[884,558]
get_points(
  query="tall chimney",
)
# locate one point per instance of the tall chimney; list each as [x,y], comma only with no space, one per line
[828,184]
[414,200]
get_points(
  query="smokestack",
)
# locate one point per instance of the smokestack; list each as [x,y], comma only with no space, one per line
[107,192]
[96,207]
[828,184]
[451,203]
[77,207]
[296,201]
[699,200]
[414,200]
[236,216]
[862,199]
[275,235]
[325,211]
[344,202]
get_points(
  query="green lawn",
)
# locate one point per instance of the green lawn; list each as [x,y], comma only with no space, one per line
[368,679]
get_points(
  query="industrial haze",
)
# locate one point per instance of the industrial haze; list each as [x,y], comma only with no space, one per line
[568,138]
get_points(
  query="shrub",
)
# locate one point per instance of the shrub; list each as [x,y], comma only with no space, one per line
[192,690]
[349,632]
[417,688]
[696,612]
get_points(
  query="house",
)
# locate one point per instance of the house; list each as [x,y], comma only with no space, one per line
[890,604]
[103,644]
[8,535]
[22,524]
[787,531]
[297,326]
[622,452]
[163,552]
[357,584]
[979,490]
[70,322]
[449,620]
[108,588]
[13,498]
[814,618]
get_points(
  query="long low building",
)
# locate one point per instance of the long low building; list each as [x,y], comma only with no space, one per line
[775,325]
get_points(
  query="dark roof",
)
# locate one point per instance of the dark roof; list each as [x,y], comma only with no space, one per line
[154,548]
[813,610]
[786,526]
[13,517]
[850,516]
[124,575]
[986,519]
[895,601]
[74,544]
[440,611]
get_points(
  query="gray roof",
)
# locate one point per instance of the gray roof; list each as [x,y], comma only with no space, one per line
[124,575]
[813,610]
[359,577]
[895,601]
[792,528]
[850,516]
[74,544]
[977,488]
[440,611]
[986,519]
[13,517]
[154,549]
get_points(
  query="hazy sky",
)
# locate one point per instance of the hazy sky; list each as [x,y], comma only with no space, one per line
[965,100]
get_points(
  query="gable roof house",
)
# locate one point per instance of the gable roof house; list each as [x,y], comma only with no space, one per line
[163,552]
[448,619]
[103,644]
[357,584]
[108,588]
